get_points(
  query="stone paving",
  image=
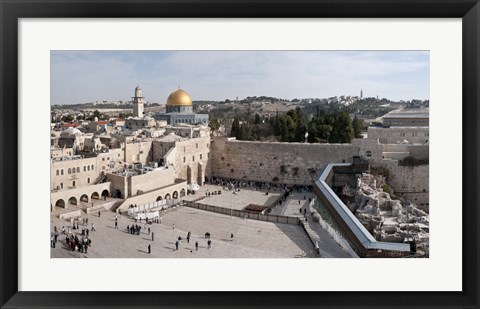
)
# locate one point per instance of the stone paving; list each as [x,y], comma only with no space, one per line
[252,238]
[237,200]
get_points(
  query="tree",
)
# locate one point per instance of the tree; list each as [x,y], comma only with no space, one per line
[214,124]
[235,127]
[67,118]
[357,127]
[342,129]
[258,119]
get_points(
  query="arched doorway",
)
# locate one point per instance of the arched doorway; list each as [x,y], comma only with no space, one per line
[60,203]
[105,193]
[118,194]
[95,196]
[84,198]
[175,195]
[159,198]
[72,201]
[167,196]
[182,193]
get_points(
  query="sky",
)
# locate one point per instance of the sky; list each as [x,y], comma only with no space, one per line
[88,76]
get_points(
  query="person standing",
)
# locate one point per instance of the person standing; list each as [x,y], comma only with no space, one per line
[176,245]
[209,244]
[152,236]
[231,236]
[99,213]
[149,249]
[116,225]
[93,227]
[149,231]
[196,246]
[188,238]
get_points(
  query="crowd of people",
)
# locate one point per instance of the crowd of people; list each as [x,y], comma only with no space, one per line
[73,241]
[231,183]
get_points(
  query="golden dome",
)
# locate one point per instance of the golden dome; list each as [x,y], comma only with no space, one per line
[179,98]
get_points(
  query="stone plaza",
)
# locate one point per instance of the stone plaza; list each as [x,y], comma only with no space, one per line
[251,238]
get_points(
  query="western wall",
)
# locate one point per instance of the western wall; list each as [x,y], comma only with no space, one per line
[289,163]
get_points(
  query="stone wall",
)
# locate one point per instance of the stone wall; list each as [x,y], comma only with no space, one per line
[419,151]
[152,180]
[152,196]
[410,182]
[290,163]
[119,183]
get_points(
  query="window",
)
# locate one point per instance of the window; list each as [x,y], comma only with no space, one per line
[69,171]
[103,167]
[200,157]
[73,184]
[73,170]
[88,180]
[93,167]
[88,167]
[402,134]
[61,172]
[61,185]
[369,153]
[108,158]
[414,134]
[57,173]
[196,145]
[78,169]
[84,168]
[426,134]
[103,159]
[193,158]
[183,159]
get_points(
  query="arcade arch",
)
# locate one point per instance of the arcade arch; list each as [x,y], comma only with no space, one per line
[60,203]
[72,201]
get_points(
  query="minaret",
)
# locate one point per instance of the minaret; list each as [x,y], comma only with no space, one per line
[361,93]
[138,103]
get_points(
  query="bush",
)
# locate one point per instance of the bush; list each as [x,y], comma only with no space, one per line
[387,189]
[380,171]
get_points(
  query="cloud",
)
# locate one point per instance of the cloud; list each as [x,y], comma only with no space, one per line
[82,76]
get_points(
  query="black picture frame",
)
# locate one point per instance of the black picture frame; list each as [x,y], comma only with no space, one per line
[11,11]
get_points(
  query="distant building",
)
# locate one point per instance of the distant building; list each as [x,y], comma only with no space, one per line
[179,109]
[407,118]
